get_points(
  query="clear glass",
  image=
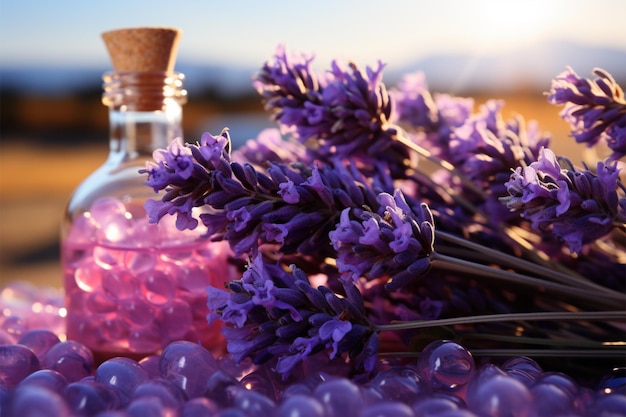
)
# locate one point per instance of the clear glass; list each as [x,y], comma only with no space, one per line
[132,287]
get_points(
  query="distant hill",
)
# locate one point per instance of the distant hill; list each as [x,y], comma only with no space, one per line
[530,68]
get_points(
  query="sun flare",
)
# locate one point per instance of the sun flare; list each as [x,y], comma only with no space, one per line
[512,22]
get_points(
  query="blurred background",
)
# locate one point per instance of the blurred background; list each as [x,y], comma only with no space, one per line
[53,127]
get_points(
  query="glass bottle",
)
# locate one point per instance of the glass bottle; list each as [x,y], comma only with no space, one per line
[132,287]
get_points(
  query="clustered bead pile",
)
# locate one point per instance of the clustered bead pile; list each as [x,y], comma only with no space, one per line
[134,287]
[42,375]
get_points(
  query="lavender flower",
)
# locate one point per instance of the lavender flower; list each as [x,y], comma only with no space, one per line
[485,149]
[395,242]
[346,114]
[275,313]
[596,109]
[576,206]
[294,207]
[429,118]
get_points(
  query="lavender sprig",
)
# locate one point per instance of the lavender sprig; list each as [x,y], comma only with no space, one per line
[294,207]
[578,207]
[595,109]
[345,114]
[279,314]
[395,242]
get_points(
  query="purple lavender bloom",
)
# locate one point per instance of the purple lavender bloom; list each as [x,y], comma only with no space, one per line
[486,149]
[293,206]
[430,117]
[576,206]
[394,242]
[275,313]
[346,114]
[595,109]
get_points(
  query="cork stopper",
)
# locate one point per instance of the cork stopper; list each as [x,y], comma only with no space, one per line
[143,48]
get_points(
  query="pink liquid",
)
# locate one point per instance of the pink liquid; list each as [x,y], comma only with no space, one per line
[131,287]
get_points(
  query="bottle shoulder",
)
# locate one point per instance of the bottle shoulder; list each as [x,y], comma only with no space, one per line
[120,179]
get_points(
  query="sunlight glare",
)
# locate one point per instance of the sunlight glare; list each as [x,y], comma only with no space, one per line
[512,23]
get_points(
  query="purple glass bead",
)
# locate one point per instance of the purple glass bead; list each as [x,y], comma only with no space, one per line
[70,358]
[256,381]
[301,406]
[433,405]
[151,365]
[199,407]
[121,374]
[146,407]
[34,401]
[500,395]
[16,363]
[188,365]
[45,378]
[88,398]
[523,363]
[550,400]
[387,409]
[611,405]
[219,387]
[296,389]
[482,375]
[340,397]
[39,341]
[561,380]
[169,395]
[523,369]
[252,403]
[614,382]
[399,383]
[446,365]
[370,395]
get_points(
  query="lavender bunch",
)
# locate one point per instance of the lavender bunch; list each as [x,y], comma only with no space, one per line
[473,247]
[595,109]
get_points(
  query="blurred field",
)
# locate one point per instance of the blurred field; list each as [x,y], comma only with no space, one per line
[38,172]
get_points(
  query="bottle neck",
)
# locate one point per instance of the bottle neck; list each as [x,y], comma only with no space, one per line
[145,111]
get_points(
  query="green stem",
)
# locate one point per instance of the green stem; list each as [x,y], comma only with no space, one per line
[536,340]
[580,353]
[440,162]
[520,263]
[601,299]
[493,318]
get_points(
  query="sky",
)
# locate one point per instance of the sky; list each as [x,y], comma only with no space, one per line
[246,32]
